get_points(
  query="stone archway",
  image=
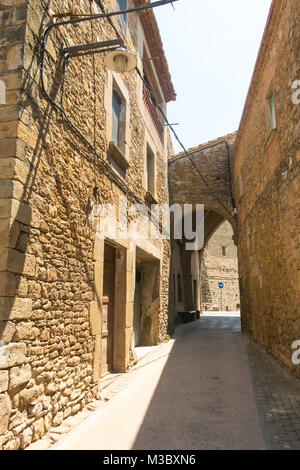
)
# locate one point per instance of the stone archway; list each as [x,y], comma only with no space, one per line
[186,186]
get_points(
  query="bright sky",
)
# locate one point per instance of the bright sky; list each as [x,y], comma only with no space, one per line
[211,47]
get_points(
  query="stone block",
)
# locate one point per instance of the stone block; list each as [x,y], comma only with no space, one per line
[8,147]
[23,331]
[19,376]
[13,168]
[8,129]
[10,112]
[5,208]
[7,330]
[47,421]
[14,58]
[29,265]
[3,380]
[12,80]
[26,438]
[13,444]
[11,189]
[99,249]
[8,284]
[38,429]
[9,233]
[97,359]
[5,410]
[58,419]
[95,317]
[27,135]
[98,280]
[12,354]
[35,409]
[15,308]
[28,395]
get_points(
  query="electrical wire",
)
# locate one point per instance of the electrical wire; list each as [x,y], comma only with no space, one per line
[106,167]
[181,144]
[96,156]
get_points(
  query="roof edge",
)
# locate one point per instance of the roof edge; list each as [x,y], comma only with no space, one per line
[205,144]
[155,45]
[267,36]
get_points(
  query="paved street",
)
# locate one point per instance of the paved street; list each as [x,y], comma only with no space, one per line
[192,393]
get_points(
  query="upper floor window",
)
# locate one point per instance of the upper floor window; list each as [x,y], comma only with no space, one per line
[122,5]
[152,95]
[271,113]
[224,251]
[150,187]
[116,118]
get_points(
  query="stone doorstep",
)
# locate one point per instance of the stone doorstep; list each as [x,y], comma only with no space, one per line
[114,384]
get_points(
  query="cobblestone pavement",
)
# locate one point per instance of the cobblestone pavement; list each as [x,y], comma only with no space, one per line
[277,396]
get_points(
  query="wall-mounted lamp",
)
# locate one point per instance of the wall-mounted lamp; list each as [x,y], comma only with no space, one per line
[120,60]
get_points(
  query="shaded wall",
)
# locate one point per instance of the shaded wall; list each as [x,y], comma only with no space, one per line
[265,169]
[220,264]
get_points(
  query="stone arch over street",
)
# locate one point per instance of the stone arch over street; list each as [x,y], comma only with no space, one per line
[201,177]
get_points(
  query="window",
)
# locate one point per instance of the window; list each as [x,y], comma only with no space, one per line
[224,251]
[152,94]
[122,5]
[116,118]
[271,115]
[150,171]
[179,289]
[118,147]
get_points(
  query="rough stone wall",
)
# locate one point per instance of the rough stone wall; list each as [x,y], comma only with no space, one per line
[217,268]
[212,159]
[50,265]
[266,188]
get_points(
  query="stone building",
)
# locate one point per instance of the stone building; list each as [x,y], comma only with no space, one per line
[254,185]
[200,176]
[74,304]
[220,265]
[266,185]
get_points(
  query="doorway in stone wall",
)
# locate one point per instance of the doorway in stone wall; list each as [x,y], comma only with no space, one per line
[146,299]
[108,300]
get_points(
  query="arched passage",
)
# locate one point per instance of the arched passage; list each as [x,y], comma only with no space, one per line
[201,177]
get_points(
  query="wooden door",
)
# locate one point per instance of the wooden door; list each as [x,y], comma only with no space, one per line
[107,342]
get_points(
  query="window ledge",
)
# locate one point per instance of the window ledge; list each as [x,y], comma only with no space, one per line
[118,156]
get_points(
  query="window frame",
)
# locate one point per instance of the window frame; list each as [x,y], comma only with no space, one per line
[116,133]
[224,251]
[119,151]
[122,18]
[270,113]
[150,172]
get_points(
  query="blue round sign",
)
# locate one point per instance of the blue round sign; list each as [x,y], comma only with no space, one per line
[221,285]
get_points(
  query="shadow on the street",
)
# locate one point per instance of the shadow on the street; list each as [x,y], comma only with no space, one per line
[204,397]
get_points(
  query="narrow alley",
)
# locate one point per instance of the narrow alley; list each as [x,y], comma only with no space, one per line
[149,225]
[203,390]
